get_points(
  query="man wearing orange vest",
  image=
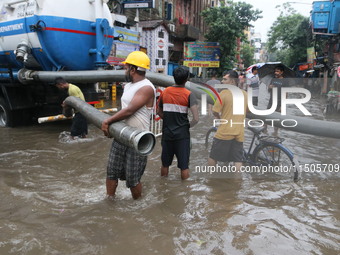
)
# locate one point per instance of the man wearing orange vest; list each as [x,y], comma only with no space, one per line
[173,106]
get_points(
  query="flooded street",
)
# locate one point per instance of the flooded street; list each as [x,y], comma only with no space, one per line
[53,200]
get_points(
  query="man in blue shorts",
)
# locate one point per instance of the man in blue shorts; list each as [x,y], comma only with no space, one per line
[173,106]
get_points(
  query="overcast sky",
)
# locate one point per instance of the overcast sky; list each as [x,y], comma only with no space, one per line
[270,13]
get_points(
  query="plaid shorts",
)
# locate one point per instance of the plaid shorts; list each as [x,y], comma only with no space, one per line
[125,164]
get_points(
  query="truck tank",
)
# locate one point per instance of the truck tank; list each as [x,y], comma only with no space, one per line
[49,35]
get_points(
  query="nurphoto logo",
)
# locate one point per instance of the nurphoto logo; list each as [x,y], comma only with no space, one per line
[238,106]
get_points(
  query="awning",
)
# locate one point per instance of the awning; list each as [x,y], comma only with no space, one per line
[119,18]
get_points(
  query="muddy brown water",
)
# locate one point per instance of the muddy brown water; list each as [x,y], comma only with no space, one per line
[53,200]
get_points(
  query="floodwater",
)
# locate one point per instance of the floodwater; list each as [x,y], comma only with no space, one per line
[53,200]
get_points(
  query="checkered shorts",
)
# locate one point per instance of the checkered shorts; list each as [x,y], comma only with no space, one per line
[125,164]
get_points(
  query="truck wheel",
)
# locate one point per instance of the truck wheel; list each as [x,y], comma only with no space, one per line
[5,114]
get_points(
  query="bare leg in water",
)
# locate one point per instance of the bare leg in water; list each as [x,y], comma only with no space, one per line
[136,191]
[111,186]
[184,173]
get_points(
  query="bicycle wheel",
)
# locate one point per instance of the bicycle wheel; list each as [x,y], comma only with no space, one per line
[274,158]
[209,137]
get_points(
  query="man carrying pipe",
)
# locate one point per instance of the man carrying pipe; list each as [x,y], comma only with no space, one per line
[138,100]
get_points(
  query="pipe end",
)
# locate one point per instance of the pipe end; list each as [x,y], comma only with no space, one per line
[145,142]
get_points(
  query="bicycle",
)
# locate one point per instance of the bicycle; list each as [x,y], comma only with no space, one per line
[268,152]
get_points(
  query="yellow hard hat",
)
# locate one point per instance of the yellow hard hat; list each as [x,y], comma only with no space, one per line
[138,58]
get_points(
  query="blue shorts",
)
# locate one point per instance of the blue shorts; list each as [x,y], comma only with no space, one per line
[180,148]
[125,163]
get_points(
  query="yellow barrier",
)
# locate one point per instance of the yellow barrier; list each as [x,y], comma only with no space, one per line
[100,104]
[62,117]
[114,93]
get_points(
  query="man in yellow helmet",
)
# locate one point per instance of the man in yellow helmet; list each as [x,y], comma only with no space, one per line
[138,100]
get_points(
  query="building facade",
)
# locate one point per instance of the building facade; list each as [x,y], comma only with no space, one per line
[178,21]
[155,38]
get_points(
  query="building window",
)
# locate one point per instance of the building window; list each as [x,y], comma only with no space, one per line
[164,62]
[161,34]
[161,54]
[168,10]
[157,61]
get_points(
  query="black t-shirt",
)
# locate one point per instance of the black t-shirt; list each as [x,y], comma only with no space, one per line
[278,83]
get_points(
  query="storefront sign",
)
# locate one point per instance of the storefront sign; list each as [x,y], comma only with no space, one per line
[202,54]
[138,4]
[210,64]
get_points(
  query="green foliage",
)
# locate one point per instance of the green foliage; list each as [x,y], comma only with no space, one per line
[110,5]
[289,37]
[247,54]
[226,24]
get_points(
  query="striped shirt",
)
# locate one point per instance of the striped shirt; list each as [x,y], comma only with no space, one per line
[175,102]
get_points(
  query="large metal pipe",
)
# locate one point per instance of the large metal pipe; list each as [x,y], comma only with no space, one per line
[300,124]
[92,76]
[305,125]
[89,76]
[142,141]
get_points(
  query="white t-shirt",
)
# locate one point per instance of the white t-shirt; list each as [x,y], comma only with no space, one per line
[253,82]
[213,82]
[141,118]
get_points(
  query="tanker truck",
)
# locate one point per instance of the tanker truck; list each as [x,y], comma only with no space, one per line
[44,39]
[49,37]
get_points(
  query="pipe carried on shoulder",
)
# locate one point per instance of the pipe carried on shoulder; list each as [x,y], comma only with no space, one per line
[305,125]
[300,124]
[142,141]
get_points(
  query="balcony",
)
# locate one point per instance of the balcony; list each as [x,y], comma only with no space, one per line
[188,32]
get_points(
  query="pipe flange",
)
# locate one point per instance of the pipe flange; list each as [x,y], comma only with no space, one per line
[25,76]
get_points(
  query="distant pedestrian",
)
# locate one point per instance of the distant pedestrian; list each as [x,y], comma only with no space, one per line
[277,82]
[212,82]
[79,122]
[253,82]
[173,106]
[242,81]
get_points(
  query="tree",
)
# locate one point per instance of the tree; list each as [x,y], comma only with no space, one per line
[226,24]
[247,54]
[115,6]
[289,37]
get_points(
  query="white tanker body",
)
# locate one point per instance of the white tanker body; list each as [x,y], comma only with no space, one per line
[48,35]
